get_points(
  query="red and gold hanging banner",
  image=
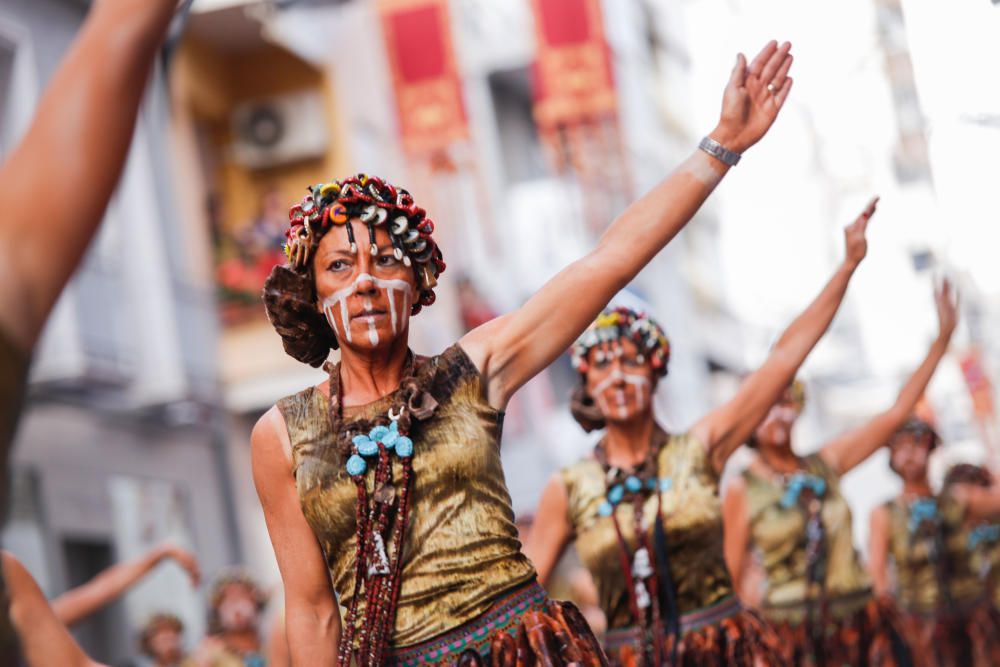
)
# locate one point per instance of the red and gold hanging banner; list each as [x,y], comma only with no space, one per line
[573,81]
[424,74]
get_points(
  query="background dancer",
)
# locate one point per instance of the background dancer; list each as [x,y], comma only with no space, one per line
[790,511]
[644,510]
[948,614]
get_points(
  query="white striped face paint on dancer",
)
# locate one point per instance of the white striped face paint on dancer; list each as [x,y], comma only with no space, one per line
[384,304]
[366,300]
[619,380]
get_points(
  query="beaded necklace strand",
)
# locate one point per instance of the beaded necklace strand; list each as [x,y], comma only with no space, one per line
[382,517]
[642,579]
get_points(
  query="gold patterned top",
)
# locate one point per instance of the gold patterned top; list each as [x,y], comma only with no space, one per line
[461,549]
[692,519]
[917,578]
[778,536]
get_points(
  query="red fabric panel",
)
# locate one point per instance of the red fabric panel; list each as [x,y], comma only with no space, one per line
[564,22]
[419,44]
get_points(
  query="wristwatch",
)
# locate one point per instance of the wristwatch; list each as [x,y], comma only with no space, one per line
[719,152]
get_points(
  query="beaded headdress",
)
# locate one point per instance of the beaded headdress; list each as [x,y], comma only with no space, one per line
[377,204]
[918,428]
[616,323]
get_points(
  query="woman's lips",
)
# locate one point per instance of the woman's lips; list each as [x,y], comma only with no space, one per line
[369,315]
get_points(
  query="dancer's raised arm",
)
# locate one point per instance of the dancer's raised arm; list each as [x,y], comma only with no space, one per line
[77,604]
[56,184]
[726,428]
[512,349]
[853,447]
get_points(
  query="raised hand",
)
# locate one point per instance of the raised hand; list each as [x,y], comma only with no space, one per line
[854,235]
[946,300]
[185,559]
[754,96]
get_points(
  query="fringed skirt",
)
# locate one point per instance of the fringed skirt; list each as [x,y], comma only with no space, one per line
[523,627]
[722,634]
[968,636]
[854,630]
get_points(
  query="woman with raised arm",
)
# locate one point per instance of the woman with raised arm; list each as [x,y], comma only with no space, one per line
[948,617]
[644,509]
[386,480]
[789,511]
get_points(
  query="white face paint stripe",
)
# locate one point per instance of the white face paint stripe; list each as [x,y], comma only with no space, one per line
[341,296]
[641,383]
[613,377]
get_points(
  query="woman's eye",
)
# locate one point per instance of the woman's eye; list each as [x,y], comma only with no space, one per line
[337,265]
[387,260]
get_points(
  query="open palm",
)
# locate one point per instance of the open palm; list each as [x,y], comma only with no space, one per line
[754,96]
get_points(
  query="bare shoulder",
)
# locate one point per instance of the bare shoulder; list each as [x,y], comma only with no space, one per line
[735,488]
[880,515]
[269,441]
[555,488]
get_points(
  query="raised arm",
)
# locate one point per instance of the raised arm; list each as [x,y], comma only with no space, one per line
[43,639]
[726,428]
[312,620]
[853,447]
[551,530]
[75,605]
[512,349]
[56,184]
[878,550]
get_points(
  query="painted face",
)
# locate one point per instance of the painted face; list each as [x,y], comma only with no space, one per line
[165,645]
[908,456]
[366,299]
[237,609]
[620,380]
[776,429]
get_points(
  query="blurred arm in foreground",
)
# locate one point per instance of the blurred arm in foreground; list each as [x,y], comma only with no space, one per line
[56,184]
[44,639]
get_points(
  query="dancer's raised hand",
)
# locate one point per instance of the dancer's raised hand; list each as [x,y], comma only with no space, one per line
[946,300]
[754,96]
[855,242]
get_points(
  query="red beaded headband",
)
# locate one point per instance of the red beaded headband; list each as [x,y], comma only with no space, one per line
[615,323]
[377,204]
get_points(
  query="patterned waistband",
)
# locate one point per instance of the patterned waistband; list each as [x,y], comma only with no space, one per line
[690,622]
[505,615]
[835,606]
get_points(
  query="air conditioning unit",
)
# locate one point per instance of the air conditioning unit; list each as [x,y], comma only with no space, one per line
[275,131]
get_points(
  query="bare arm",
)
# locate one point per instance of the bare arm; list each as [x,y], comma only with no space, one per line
[56,184]
[853,447]
[44,640]
[878,550]
[551,530]
[736,528]
[726,428]
[312,619]
[75,605]
[512,349]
